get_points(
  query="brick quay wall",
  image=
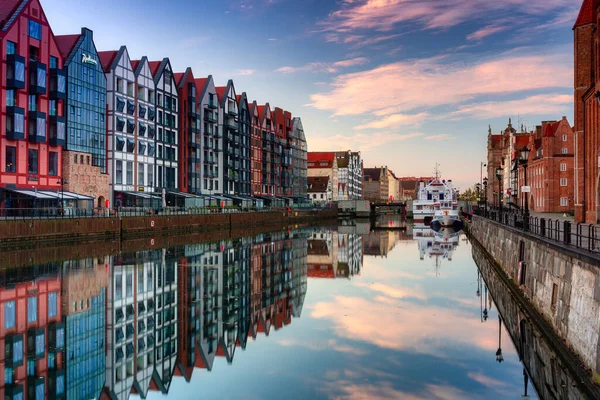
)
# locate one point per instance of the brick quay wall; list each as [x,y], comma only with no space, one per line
[17,232]
[562,284]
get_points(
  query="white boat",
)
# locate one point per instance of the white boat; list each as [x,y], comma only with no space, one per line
[446,212]
[430,197]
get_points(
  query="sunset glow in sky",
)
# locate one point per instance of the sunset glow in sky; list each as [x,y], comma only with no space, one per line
[409,83]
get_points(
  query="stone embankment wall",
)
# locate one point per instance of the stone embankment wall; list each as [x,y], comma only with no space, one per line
[552,368]
[563,284]
[82,229]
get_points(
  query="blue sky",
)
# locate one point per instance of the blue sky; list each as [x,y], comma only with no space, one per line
[406,82]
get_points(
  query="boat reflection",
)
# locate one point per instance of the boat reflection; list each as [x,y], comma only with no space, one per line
[436,244]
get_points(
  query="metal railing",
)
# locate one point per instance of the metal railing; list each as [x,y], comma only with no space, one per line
[565,232]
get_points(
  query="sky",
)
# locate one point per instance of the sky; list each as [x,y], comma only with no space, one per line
[407,82]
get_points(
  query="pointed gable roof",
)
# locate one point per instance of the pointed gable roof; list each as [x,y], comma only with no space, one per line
[587,13]
[202,86]
[551,129]
[66,43]
[8,9]
[107,58]
[154,65]
[135,64]
[221,90]
[178,77]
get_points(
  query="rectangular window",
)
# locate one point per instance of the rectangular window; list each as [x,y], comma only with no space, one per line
[9,314]
[563,167]
[129,173]
[32,103]
[53,62]
[10,98]
[129,284]
[53,164]
[140,174]
[119,172]
[32,162]
[52,304]
[32,310]
[150,177]
[52,107]
[563,181]
[11,159]
[564,201]
[35,30]
[564,150]
[118,286]
[11,47]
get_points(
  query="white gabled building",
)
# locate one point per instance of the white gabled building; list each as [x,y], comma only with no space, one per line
[167,139]
[211,149]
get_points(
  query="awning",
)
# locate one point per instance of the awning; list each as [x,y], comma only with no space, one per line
[50,194]
[143,195]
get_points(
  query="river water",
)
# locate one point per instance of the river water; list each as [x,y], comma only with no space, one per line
[395,313]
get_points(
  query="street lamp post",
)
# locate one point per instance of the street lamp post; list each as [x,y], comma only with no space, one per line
[499,356]
[482,164]
[523,160]
[478,187]
[499,177]
[485,183]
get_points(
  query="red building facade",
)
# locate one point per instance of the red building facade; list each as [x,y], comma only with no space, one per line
[32,338]
[256,152]
[32,85]
[550,170]
[269,167]
[587,116]
[188,128]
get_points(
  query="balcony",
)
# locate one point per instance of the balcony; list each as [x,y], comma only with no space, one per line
[232,111]
[36,345]
[37,77]
[212,105]
[15,71]
[231,123]
[37,127]
[210,117]
[207,145]
[14,350]
[58,84]
[56,384]
[15,123]
[192,111]
[57,131]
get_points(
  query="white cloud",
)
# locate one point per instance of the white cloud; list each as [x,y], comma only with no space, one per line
[394,120]
[330,67]
[545,104]
[442,136]
[362,141]
[245,72]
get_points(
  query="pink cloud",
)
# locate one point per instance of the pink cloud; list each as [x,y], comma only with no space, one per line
[362,141]
[329,67]
[408,85]
[394,120]
[485,32]
[546,104]
[442,136]
[384,15]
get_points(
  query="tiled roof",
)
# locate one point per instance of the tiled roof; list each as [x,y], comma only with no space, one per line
[551,129]
[238,98]
[372,173]
[7,8]
[315,156]
[221,91]
[65,43]
[135,64]
[200,84]
[317,184]
[154,66]
[587,13]
[279,115]
[178,76]
[107,58]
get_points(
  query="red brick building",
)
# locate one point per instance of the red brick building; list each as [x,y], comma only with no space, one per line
[587,116]
[189,130]
[256,152]
[31,103]
[550,171]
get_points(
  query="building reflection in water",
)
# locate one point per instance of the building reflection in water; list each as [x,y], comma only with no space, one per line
[332,254]
[110,327]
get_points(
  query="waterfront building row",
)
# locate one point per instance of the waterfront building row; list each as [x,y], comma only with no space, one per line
[550,167]
[334,176]
[107,327]
[80,127]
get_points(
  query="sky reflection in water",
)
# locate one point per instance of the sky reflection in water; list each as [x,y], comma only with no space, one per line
[401,328]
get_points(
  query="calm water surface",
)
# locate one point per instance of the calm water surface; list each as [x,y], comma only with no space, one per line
[324,313]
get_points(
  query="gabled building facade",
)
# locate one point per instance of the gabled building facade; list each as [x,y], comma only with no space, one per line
[189,156]
[167,126]
[243,186]
[350,175]
[144,129]
[229,126]
[375,184]
[324,164]
[319,189]
[269,167]
[84,156]
[256,150]
[299,153]
[32,99]
[121,138]
[211,136]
